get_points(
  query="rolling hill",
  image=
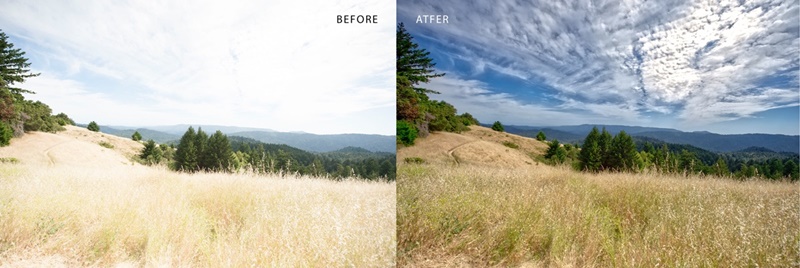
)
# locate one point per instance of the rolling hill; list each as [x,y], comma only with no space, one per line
[701,139]
[305,141]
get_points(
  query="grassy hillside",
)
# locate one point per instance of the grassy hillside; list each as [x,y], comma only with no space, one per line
[533,215]
[56,212]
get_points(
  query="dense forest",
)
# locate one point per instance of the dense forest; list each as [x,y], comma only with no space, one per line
[197,151]
[18,115]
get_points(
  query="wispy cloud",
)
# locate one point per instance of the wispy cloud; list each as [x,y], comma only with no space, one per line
[700,62]
[281,65]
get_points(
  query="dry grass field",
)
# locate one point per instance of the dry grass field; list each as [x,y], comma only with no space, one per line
[475,213]
[70,202]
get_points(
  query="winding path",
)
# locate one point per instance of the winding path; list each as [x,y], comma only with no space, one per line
[450,152]
[50,157]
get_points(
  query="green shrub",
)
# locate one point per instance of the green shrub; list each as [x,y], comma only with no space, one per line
[5,134]
[414,160]
[136,136]
[62,119]
[93,127]
[9,160]
[406,133]
[511,145]
[106,144]
[497,126]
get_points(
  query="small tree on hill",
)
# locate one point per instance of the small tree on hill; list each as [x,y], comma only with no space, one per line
[93,127]
[555,152]
[136,136]
[151,153]
[540,136]
[497,126]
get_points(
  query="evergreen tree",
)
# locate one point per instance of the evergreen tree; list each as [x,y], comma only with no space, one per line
[497,126]
[136,136]
[604,144]
[151,153]
[200,144]
[622,153]
[218,152]
[186,154]
[555,152]
[14,67]
[791,170]
[590,156]
[93,126]
[413,62]
[721,168]
[540,136]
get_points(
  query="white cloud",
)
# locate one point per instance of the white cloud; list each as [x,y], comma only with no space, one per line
[488,106]
[623,59]
[284,65]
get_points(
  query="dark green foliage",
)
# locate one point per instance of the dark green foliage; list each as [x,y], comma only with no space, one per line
[20,114]
[265,158]
[468,120]
[151,153]
[604,143]
[136,136]
[497,126]
[556,153]
[37,117]
[406,133]
[218,152]
[413,63]
[540,136]
[791,170]
[623,155]
[14,67]
[590,156]
[414,67]
[444,117]
[62,119]
[658,156]
[186,153]
[6,133]
[93,126]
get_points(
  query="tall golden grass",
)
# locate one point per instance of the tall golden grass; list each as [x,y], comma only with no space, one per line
[543,216]
[140,216]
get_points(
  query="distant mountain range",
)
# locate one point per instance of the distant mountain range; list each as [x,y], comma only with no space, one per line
[305,141]
[701,139]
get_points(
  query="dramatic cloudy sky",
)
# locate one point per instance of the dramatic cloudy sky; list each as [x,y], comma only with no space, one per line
[282,65]
[721,66]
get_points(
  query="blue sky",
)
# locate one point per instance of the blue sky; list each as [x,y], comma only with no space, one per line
[285,65]
[719,66]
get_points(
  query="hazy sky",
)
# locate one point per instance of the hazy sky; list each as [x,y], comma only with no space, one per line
[721,66]
[282,65]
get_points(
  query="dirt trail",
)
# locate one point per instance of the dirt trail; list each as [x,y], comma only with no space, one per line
[478,146]
[74,147]
[451,151]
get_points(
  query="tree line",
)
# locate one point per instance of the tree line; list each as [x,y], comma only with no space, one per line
[18,115]
[198,152]
[601,151]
